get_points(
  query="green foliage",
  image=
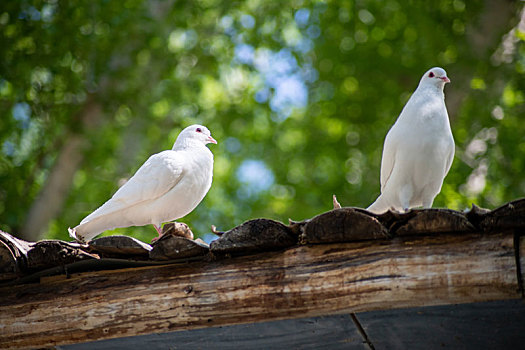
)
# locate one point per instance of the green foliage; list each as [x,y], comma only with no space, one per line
[299,94]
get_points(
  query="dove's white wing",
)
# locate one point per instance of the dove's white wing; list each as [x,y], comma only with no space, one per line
[158,175]
[388,158]
[450,159]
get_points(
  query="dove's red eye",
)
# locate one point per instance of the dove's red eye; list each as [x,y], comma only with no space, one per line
[431,75]
[198,130]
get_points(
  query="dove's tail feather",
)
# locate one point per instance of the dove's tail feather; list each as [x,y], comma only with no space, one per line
[110,215]
[107,218]
[88,229]
[73,234]
[379,206]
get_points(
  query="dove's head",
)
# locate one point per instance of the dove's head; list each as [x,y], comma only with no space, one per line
[436,77]
[193,133]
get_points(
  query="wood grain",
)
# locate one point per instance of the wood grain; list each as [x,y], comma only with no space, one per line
[302,281]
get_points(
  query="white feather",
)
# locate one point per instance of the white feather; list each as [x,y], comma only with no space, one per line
[418,149]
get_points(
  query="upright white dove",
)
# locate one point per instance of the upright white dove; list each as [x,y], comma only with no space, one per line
[418,149]
[168,186]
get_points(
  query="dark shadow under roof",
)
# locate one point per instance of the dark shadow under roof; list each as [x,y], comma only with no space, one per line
[477,326]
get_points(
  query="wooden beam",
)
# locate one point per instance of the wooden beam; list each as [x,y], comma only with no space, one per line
[302,281]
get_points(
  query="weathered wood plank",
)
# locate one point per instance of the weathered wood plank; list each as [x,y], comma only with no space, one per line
[434,221]
[255,235]
[343,225]
[119,246]
[13,256]
[50,253]
[175,247]
[302,281]
[508,216]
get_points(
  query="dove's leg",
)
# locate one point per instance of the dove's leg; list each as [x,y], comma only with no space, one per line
[159,231]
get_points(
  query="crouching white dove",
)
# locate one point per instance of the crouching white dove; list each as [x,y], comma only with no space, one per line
[418,149]
[168,186]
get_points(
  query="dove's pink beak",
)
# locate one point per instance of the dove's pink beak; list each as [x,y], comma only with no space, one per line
[445,79]
[211,140]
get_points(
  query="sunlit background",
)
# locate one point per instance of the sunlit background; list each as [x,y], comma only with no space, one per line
[299,95]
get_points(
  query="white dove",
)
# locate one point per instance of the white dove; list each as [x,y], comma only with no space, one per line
[418,150]
[168,186]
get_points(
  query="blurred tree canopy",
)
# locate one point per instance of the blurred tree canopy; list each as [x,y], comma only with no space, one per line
[299,95]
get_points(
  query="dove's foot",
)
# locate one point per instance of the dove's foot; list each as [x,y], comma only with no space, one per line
[336,203]
[179,229]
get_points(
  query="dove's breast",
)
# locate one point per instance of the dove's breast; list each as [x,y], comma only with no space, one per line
[424,146]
